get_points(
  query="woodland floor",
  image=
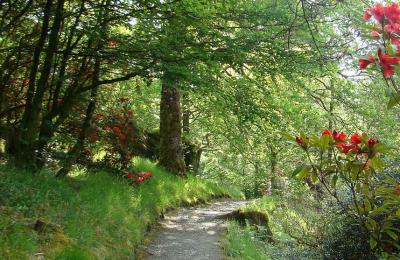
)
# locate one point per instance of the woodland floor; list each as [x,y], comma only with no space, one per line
[192,233]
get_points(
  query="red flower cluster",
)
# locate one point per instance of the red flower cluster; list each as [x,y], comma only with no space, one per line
[352,144]
[140,177]
[386,62]
[118,131]
[388,18]
[130,175]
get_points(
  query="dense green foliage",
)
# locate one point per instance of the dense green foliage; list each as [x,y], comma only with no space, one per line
[303,228]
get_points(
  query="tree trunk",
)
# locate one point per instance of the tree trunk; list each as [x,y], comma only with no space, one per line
[25,155]
[196,163]
[48,126]
[186,113]
[171,152]
[272,173]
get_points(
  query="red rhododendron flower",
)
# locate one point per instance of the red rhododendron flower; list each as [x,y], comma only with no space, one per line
[347,147]
[392,28]
[327,132]
[117,129]
[367,15]
[129,175]
[146,174]
[371,142]
[387,62]
[339,137]
[375,34]
[139,179]
[363,63]
[395,40]
[122,136]
[299,140]
[392,12]
[355,138]
[378,12]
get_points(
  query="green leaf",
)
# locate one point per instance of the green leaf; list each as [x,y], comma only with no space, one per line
[314,176]
[355,170]
[393,101]
[297,170]
[365,189]
[372,243]
[391,49]
[367,206]
[371,224]
[358,187]
[389,92]
[392,234]
[334,181]
[380,148]
[376,163]
[303,173]
[324,142]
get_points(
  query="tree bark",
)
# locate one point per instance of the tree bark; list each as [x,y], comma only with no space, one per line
[272,173]
[185,114]
[25,155]
[171,152]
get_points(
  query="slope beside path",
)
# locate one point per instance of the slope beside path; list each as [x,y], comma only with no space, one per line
[192,233]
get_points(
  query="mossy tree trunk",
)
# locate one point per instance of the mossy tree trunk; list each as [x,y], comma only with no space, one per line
[171,151]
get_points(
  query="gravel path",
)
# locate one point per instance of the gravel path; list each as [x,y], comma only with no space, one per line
[192,233]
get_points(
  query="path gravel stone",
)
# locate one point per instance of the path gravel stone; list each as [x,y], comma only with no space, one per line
[192,233]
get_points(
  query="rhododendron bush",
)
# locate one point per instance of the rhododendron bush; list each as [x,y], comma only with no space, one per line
[385,29]
[117,134]
[337,162]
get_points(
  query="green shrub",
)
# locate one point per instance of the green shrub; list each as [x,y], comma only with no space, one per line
[345,239]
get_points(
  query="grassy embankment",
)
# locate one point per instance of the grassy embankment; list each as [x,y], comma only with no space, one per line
[285,216]
[91,215]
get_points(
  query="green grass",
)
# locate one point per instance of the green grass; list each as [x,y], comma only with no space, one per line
[241,244]
[286,215]
[90,215]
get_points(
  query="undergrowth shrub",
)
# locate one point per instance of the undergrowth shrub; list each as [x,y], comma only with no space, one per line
[345,239]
